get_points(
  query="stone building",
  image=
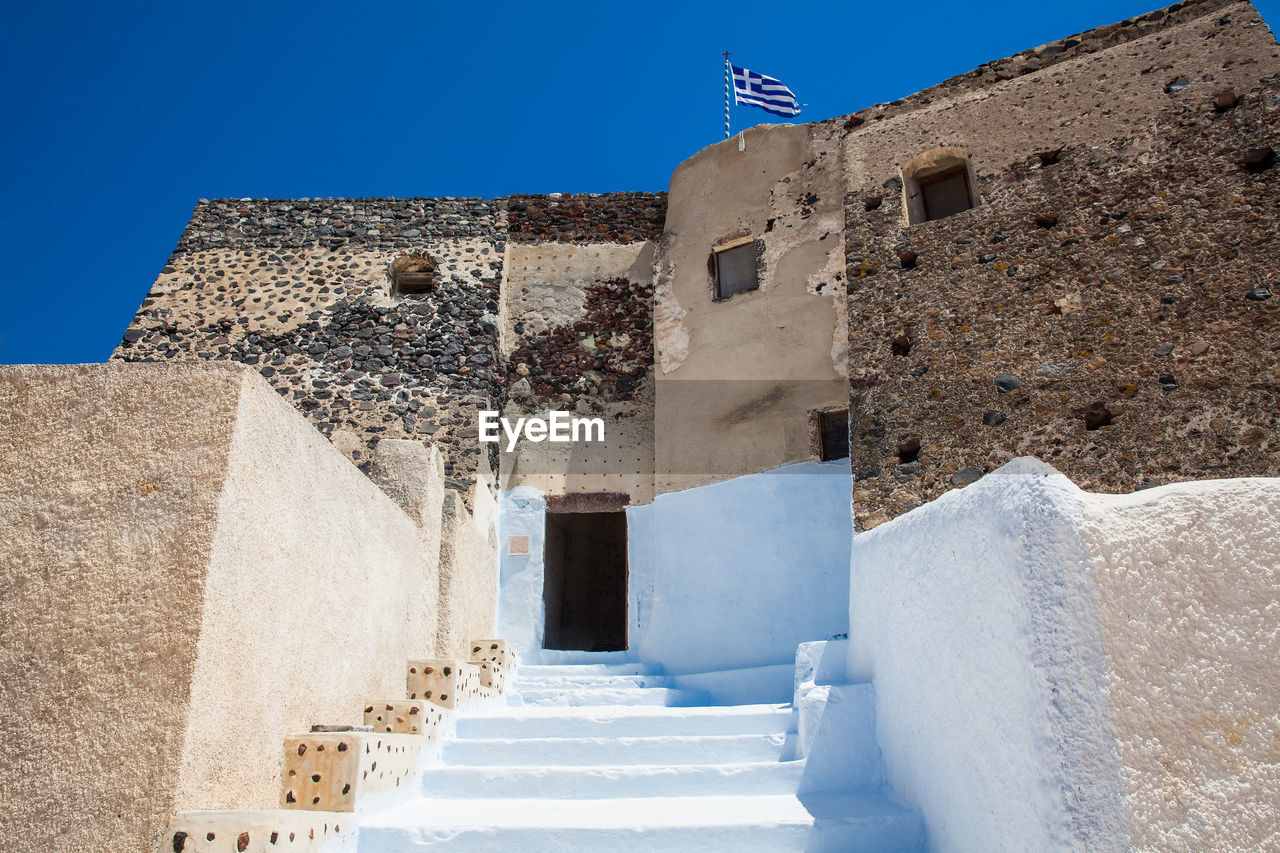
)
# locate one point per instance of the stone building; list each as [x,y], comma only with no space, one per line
[1068,254]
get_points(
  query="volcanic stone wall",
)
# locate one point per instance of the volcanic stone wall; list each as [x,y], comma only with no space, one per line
[1108,308]
[578,335]
[302,289]
[590,218]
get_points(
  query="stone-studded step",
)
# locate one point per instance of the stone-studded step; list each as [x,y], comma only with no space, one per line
[334,770]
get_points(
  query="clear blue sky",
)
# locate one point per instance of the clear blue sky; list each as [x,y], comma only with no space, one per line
[119,116]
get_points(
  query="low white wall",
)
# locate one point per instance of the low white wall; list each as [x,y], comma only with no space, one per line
[739,573]
[1056,670]
[734,574]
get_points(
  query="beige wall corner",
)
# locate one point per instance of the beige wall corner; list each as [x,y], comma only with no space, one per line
[182,554]
[468,575]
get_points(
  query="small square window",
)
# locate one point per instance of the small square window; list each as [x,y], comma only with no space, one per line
[834,435]
[946,194]
[736,270]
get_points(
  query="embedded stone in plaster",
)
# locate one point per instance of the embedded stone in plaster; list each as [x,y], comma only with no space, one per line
[443,682]
[331,771]
[254,831]
[405,716]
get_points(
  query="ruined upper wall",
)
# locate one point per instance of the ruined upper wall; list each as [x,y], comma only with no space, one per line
[586,218]
[1082,99]
[330,222]
[1060,51]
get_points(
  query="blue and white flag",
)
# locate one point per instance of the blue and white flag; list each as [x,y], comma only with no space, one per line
[757,90]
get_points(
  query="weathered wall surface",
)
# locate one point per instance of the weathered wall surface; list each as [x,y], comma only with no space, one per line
[973,617]
[1107,307]
[1107,680]
[1188,578]
[301,290]
[468,572]
[178,586]
[295,575]
[737,376]
[578,337]
[107,517]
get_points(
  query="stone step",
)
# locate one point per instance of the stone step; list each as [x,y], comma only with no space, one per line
[613,781]
[573,682]
[544,670]
[667,749]
[624,696]
[563,657]
[642,721]
[870,824]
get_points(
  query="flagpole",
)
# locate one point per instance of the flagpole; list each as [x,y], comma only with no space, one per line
[726,94]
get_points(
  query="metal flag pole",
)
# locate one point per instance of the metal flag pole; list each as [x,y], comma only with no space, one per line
[726,94]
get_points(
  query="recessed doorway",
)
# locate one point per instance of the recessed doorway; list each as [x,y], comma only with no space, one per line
[584,586]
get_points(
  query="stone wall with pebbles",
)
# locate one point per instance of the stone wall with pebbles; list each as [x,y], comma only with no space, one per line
[1107,308]
[577,335]
[586,218]
[302,290]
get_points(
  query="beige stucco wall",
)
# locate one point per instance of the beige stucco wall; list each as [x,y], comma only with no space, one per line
[1188,580]
[109,486]
[183,556]
[468,572]
[737,376]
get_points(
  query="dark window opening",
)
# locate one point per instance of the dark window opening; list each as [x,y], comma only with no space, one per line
[946,193]
[584,586]
[736,270]
[834,435]
[413,275]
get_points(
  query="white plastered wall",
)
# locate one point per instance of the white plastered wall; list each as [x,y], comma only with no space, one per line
[1058,670]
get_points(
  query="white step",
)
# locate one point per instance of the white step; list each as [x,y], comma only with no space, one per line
[543,670]
[557,656]
[642,721]
[626,696]
[618,781]
[577,681]
[668,749]
[711,823]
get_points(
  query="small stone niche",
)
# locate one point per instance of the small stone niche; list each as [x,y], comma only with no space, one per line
[413,275]
[938,183]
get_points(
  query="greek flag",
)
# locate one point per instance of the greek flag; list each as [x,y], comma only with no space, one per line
[757,90]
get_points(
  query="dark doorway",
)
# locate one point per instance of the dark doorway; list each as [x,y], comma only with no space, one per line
[584,586]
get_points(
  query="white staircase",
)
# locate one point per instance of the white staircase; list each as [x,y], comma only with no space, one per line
[599,754]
